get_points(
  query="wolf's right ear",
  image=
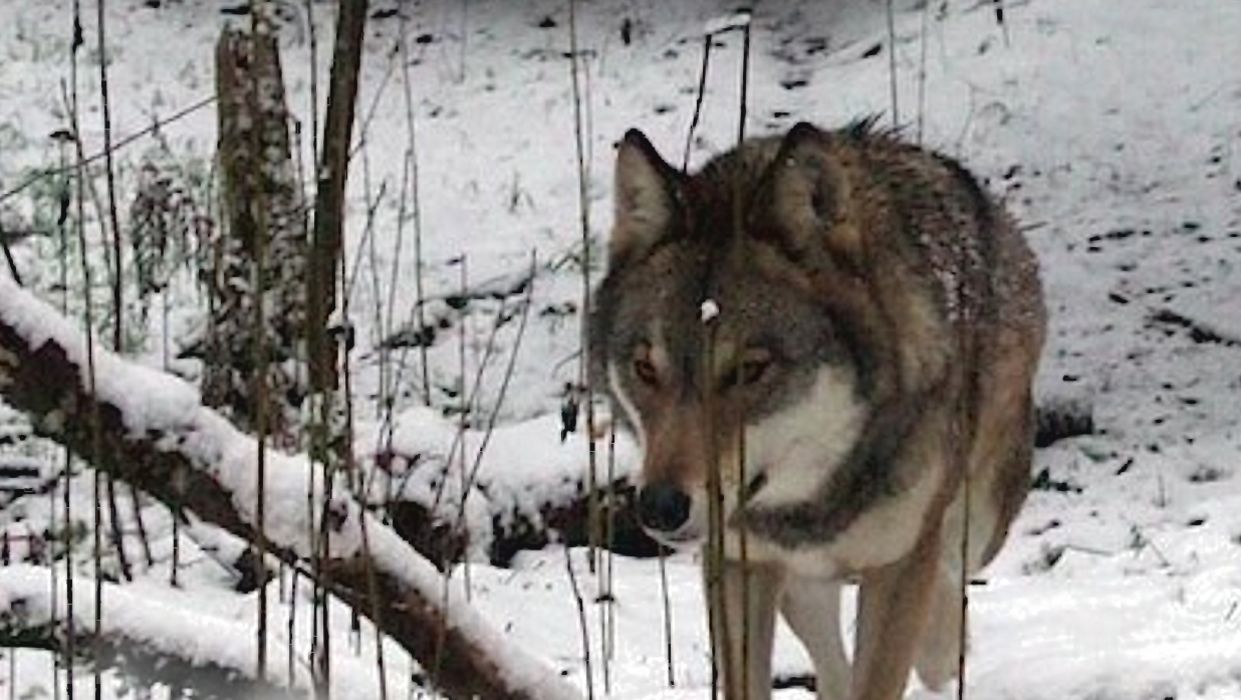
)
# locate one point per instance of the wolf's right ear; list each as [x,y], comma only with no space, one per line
[803,191]
[646,196]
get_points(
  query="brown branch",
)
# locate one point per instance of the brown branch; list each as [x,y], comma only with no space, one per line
[330,191]
[155,434]
[432,532]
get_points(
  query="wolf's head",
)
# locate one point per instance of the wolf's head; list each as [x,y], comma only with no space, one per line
[768,394]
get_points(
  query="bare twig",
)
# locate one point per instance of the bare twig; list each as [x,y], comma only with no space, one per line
[701,94]
[120,143]
[926,11]
[503,392]
[742,479]
[663,592]
[581,619]
[80,229]
[416,203]
[372,583]
[583,184]
[891,12]
[8,256]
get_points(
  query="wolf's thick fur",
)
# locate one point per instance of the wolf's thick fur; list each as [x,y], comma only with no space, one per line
[880,322]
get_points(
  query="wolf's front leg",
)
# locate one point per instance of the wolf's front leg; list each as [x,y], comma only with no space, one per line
[811,607]
[893,607]
[742,608]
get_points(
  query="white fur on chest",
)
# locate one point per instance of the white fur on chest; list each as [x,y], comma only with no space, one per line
[882,534]
[799,447]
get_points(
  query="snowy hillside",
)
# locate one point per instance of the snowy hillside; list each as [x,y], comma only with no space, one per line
[1111,129]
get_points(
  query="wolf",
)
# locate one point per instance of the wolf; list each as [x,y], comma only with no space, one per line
[824,342]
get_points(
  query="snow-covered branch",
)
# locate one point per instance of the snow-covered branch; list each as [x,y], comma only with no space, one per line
[156,640]
[154,432]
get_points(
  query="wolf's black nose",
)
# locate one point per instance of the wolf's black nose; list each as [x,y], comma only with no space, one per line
[662,506]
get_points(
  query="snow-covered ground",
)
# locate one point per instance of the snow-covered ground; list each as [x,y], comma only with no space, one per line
[1111,129]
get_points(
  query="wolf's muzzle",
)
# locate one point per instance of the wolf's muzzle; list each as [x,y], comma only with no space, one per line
[663,507]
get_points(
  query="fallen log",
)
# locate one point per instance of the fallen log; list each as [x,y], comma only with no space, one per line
[151,430]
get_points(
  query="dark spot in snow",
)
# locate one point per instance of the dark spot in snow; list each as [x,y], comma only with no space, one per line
[1117,298]
[385,13]
[1043,481]
[547,23]
[1118,234]
[1206,474]
[567,308]
[663,109]
[815,44]
[779,113]
[1045,560]
[1196,522]
[1062,419]
[425,38]
[1198,332]
[1191,226]
[793,83]
[236,10]
[1125,466]
[873,51]
[782,681]
[1044,528]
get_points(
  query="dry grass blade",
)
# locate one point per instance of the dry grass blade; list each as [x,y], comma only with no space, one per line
[583,184]
[154,127]
[891,13]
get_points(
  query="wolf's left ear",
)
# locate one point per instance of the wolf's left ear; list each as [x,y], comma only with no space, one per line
[646,196]
[803,191]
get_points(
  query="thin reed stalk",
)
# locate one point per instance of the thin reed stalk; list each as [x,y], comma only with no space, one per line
[583,184]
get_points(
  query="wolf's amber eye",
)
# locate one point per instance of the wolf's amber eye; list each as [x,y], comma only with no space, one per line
[645,371]
[753,368]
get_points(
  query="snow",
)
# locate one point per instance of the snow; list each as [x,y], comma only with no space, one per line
[182,624]
[155,403]
[141,614]
[158,404]
[723,23]
[1109,128]
[708,311]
